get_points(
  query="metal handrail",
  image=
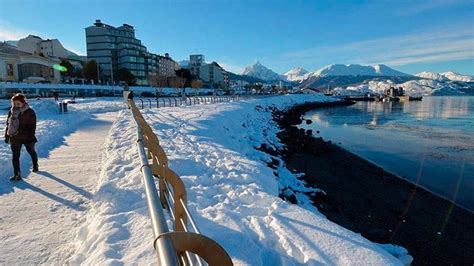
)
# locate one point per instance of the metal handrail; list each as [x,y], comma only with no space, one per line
[179,246]
[164,247]
[192,100]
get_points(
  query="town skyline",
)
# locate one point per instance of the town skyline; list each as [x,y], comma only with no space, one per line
[422,44]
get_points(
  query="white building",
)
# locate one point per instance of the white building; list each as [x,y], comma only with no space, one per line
[20,66]
[37,46]
[212,75]
[49,48]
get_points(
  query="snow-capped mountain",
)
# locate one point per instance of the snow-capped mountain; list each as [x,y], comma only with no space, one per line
[457,77]
[260,71]
[357,70]
[445,76]
[296,74]
[431,75]
[411,87]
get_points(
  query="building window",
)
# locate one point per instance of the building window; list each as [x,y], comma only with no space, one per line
[9,69]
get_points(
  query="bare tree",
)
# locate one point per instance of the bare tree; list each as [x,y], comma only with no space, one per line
[159,82]
[196,85]
[178,84]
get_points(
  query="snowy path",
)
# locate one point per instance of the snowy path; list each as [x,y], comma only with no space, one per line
[39,217]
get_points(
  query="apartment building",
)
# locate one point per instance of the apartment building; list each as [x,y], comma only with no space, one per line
[213,75]
[195,63]
[117,47]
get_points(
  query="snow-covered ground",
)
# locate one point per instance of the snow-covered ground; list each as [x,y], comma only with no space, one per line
[232,193]
[38,215]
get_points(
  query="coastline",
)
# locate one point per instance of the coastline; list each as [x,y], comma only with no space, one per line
[366,199]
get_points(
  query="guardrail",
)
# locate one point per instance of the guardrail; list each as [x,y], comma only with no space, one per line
[180,101]
[184,245]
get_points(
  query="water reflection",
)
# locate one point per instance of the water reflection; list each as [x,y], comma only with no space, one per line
[397,136]
[375,113]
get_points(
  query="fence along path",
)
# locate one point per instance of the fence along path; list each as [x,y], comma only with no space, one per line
[184,245]
[179,101]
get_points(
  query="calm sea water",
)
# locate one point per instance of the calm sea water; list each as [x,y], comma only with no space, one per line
[430,143]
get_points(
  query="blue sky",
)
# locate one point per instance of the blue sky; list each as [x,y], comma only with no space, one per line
[411,36]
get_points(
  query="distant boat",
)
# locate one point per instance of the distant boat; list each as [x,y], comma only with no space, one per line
[416,98]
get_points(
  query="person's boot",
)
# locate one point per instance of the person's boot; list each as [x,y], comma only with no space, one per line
[16,177]
[35,168]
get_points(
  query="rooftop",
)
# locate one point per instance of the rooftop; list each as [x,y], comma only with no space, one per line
[8,49]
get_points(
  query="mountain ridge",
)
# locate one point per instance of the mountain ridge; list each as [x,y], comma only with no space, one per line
[445,76]
[258,70]
[357,70]
[295,74]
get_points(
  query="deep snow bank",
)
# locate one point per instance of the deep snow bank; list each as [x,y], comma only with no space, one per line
[232,192]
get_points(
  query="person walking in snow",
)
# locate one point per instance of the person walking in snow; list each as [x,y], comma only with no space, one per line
[21,130]
[56,96]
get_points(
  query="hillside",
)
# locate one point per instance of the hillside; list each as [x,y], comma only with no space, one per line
[457,77]
[249,79]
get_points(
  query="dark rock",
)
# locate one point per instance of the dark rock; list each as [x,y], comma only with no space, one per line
[289,195]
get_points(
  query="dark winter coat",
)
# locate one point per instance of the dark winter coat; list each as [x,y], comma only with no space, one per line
[26,130]
[131,95]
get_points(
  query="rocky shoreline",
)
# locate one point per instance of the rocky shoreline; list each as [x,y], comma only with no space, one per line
[368,200]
